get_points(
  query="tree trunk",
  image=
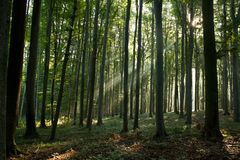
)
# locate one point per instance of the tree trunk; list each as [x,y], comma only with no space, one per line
[235,71]
[83,64]
[15,66]
[160,127]
[4,35]
[125,81]
[211,128]
[225,63]
[46,63]
[139,56]
[176,74]
[133,63]
[93,66]
[182,95]
[64,67]
[31,73]
[152,97]
[189,68]
[102,70]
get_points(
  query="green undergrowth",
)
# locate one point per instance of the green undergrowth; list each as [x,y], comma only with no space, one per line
[106,141]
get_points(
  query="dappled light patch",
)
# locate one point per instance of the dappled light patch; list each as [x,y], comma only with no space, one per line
[67,155]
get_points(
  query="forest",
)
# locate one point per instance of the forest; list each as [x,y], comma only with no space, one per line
[119,79]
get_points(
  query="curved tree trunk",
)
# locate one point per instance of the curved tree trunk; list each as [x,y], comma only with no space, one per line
[64,67]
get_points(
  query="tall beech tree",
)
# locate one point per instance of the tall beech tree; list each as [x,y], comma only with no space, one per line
[126,54]
[31,131]
[15,66]
[211,127]
[160,127]
[102,69]
[64,68]
[85,43]
[4,35]
[139,56]
[235,17]
[46,62]
[92,66]
[189,56]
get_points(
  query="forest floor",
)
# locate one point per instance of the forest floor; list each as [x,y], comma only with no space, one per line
[107,143]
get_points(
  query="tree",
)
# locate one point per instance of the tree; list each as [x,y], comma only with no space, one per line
[31,72]
[189,56]
[46,62]
[102,69]
[160,127]
[235,59]
[92,69]
[211,128]
[4,33]
[86,34]
[125,96]
[139,55]
[64,67]
[152,96]
[15,66]
[183,25]
[133,63]
[225,63]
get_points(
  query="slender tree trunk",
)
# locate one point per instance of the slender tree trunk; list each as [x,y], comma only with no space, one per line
[64,67]
[46,63]
[102,70]
[133,63]
[151,110]
[182,95]
[211,128]
[83,64]
[160,127]
[4,35]
[176,74]
[139,56]
[189,68]
[31,72]
[15,66]
[225,63]
[125,81]
[93,66]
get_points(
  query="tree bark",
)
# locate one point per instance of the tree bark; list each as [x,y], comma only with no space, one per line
[211,128]
[160,127]
[93,66]
[125,81]
[4,35]
[31,73]
[15,66]
[133,63]
[46,63]
[189,55]
[139,56]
